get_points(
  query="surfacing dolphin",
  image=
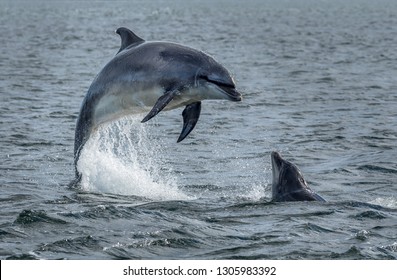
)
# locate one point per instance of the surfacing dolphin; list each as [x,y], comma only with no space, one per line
[151,76]
[288,182]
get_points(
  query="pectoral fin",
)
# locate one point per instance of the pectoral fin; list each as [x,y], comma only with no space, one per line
[160,104]
[190,115]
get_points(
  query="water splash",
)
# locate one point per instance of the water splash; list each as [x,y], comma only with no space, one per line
[121,158]
[389,202]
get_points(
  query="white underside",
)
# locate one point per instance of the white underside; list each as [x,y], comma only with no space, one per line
[119,102]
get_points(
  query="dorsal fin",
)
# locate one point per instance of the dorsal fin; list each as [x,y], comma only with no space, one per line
[127,38]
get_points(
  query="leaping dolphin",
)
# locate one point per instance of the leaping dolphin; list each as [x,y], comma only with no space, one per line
[151,76]
[288,182]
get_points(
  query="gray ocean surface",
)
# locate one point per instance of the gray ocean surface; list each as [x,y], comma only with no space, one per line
[319,81]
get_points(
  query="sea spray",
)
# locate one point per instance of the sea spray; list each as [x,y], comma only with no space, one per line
[122,158]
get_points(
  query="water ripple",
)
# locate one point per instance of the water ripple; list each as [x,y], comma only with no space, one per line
[30,217]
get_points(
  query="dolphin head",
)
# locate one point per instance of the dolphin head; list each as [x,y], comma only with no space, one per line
[286,176]
[288,183]
[201,75]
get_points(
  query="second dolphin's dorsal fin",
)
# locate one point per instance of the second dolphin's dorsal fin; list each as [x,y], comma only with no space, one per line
[127,38]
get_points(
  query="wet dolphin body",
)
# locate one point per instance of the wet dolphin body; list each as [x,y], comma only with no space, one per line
[288,183]
[149,77]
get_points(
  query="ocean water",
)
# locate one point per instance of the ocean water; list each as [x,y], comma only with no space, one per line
[319,81]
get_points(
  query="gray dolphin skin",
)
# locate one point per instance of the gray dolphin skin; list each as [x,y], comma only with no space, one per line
[150,77]
[288,183]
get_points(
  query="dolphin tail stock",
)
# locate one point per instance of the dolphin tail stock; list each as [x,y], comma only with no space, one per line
[190,114]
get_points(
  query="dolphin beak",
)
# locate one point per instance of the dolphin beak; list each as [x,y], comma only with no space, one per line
[232,93]
[222,84]
[276,159]
[276,164]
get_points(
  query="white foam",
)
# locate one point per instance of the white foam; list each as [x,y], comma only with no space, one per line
[121,159]
[389,202]
[258,192]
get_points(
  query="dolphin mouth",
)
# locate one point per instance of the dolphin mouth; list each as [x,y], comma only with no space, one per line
[226,87]
[231,92]
[276,160]
[276,165]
